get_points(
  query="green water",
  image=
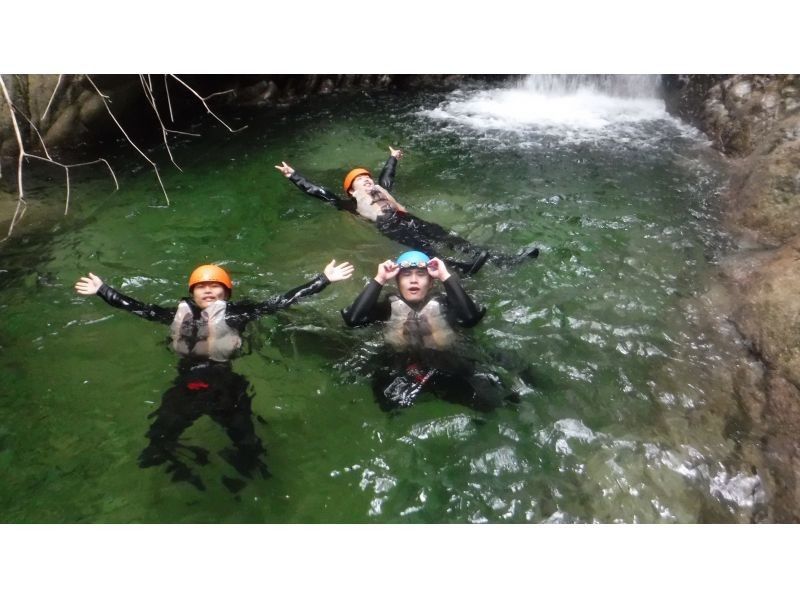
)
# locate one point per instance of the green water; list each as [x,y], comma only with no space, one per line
[622,417]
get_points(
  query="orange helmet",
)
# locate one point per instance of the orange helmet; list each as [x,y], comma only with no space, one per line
[210,273]
[351,176]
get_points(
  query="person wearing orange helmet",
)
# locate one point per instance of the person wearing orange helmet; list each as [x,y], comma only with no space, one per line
[375,203]
[206,332]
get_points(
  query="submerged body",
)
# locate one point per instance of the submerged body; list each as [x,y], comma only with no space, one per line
[206,332]
[375,203]
[423,344]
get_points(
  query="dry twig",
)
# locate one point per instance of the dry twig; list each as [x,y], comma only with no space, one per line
[148,92]
[22,205]
[104,98]
[53,95]
[202,99]
[147,86]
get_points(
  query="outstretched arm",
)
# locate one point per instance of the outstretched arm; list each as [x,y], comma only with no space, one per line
[93,285]
[332,273]
[314,190]
[386,180]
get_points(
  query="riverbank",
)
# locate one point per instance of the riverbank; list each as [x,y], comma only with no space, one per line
[755,121]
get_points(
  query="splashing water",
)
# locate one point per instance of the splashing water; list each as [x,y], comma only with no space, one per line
[575,108]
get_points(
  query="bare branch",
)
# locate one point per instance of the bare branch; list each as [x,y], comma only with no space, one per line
[35,129]
[21,201]
[114,118]
[206,105]
[55,89]
[218,93]
[66,168]
[169,102]
[183,133]
[66,203]
[148,92]
[147,86]
[22,205]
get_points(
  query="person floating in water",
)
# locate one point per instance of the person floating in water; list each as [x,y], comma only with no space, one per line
[375,203]
[420,328]
[205,331]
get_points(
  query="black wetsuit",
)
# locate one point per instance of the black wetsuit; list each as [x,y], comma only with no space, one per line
[423,340]
[206,340]
[416,233]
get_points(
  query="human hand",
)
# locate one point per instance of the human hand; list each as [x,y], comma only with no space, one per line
[396,153]
[88,285]
[386,272]
[438,270]
[336,273]
[285,169]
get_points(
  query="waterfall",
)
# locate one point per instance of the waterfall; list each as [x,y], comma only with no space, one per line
[570,107]
[622,86]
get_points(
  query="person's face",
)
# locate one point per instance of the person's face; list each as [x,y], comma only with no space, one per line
[414,284]
[362,182]
[205,293]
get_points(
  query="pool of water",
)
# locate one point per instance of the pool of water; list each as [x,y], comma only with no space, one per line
[624,413]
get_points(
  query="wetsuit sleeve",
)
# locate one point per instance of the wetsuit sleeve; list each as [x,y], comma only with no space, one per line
[154,313]
[250,311]
[366,308]
[466,312]
[386,180]
[321,193]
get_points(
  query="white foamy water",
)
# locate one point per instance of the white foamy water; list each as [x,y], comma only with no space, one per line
[572,107]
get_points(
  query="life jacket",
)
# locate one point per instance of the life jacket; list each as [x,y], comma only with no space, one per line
[373,205]
[426,327]
[204,334]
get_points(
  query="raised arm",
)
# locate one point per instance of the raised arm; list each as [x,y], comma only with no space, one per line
[315,190]
[386,180]
[465,310]
[93,285]
[366,308]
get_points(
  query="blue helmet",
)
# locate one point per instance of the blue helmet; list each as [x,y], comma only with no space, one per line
[412,259]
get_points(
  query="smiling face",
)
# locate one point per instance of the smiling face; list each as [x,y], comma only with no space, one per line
[414,284]
[362,182]
[205,293]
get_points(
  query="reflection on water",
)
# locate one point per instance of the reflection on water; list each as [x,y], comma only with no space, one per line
[625,413]
[214,390]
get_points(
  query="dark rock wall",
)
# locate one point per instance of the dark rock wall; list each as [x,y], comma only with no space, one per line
[78,116]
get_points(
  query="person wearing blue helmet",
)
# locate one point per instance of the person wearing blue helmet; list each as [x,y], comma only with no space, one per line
[374,202]
[421,330]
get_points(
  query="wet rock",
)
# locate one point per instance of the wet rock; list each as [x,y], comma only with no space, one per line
[768,311]
[253,94]
[91,109]
[782,449]
[756,119]
[741,89]
[66,127]
[764,194]
[271,91]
